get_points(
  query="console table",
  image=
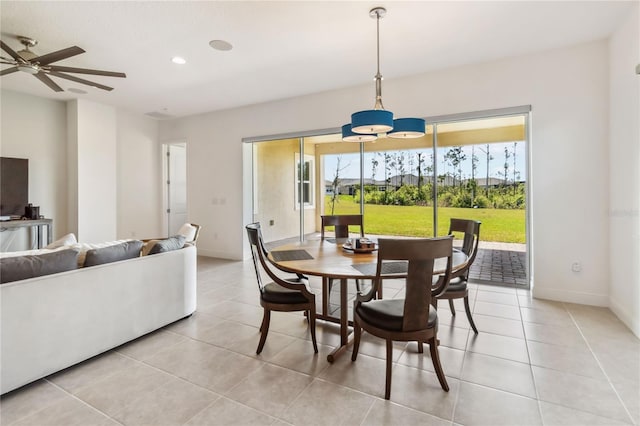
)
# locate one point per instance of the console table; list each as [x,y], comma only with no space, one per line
[39,224]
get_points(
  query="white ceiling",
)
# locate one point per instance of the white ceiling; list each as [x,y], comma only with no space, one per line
[281,49]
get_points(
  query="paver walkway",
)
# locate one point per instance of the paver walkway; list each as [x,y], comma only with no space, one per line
[500,263]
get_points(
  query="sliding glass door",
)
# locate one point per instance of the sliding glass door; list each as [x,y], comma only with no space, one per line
[466,166]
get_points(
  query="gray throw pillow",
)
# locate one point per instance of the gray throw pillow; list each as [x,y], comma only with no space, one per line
[30,266]
[115,253]
[172,243]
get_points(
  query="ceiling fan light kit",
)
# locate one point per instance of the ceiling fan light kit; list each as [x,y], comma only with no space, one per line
[378,120]
[40,65]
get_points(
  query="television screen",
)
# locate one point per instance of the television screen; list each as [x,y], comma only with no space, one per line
[14,185]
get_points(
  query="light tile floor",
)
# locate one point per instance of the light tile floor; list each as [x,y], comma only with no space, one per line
[534,362]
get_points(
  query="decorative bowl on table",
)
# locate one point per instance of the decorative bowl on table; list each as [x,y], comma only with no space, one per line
[360,245]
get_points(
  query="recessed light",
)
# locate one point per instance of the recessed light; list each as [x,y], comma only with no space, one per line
[178,60]
[220,45]
[78,91]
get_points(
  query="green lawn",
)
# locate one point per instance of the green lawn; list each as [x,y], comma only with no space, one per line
[497,225]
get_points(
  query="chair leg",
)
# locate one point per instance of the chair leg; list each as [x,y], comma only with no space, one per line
[312,324]
[469,317]
[264,329]
[358,286]
[453,309]
[387,388]
[357,332]
[435,357]
[420,348]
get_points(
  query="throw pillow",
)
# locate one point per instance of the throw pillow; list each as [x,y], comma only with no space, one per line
[66,240]
[30,266]
[169,244]
[115,253]
[188,231]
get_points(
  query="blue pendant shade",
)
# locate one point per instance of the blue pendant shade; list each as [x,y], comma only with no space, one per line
[349,136]
[372,121]
[407,128]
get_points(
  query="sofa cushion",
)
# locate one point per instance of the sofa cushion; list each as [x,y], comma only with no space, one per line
[30,266]
[161,246]
[114,253]
[66,240]
[85,247]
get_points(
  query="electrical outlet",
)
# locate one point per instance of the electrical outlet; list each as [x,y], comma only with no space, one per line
[576,267]
[272,222]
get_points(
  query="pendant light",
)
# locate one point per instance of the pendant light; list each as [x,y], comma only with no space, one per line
[366,125]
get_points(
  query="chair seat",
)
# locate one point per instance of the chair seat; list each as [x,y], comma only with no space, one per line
[387,314]
[456,284]
[275,293]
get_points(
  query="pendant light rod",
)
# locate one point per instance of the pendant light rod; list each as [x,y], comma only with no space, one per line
[377,13]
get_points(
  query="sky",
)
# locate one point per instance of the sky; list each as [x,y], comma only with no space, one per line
[350,163]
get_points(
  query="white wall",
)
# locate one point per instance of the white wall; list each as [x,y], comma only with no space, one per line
[120,173]
[568,91]
[139,177]
[624,172]
[35,128]
[94,128]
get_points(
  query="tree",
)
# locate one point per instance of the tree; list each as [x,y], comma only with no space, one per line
[515,181]
[419,169]
[489,158]
[456,156]
[474,167]
[400,166]
[505,174]
[374,168]
[335,184]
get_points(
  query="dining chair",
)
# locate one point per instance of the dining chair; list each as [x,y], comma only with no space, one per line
[341,225]
[412,318]
[457,288]
[283,295]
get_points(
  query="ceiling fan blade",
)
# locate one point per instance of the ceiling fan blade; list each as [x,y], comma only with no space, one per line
[80,80]
[87,71]
[8,71]
[46,80]
[9,50]
[58,55]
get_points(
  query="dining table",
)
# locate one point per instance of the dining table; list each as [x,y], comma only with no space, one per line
[336,259]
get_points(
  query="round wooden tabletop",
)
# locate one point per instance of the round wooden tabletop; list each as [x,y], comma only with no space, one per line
[329,259]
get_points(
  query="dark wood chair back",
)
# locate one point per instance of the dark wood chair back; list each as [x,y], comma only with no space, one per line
[341,224]
[411,319]
[285,295]
[471,230]
[421,255]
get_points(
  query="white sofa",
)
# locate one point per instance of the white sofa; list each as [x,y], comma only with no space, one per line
[55,321]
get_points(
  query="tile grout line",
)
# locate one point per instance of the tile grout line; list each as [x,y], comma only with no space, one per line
[629,416]
[219,394]
[82,401]
[533,376]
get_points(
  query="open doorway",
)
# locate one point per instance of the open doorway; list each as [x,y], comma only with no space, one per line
[175,193]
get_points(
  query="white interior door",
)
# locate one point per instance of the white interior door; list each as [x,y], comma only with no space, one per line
[176,187]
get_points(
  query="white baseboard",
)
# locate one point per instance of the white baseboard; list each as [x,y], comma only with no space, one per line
[578,297]
[630,320]
[217,254]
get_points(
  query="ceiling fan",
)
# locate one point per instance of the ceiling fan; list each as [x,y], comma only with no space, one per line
[40,66]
